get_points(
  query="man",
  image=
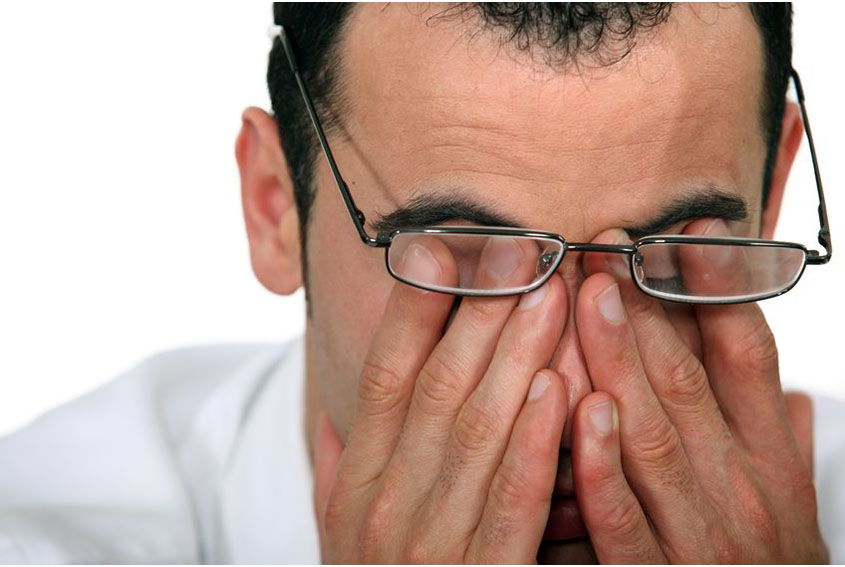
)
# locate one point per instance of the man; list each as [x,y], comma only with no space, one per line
[582,420]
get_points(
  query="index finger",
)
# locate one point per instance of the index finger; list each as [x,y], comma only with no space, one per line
[412,324]
[741,357]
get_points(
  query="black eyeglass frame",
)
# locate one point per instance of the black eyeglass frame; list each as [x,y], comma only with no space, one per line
[812,257]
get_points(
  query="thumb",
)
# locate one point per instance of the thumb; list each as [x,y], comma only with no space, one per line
[327,450]
[799,406]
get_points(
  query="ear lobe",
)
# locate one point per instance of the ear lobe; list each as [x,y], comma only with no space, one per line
[272,223]
[792,131]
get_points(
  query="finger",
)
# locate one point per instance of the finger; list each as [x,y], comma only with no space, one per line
[461,358]
[741,360]
[411,326]
[517,509]
[710,270]
[681,316]
[674,372]
[655,460]
[800,408]
[327,451]
[619,530]
[484,424]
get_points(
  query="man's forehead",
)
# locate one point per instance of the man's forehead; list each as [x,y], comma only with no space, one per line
[457,106]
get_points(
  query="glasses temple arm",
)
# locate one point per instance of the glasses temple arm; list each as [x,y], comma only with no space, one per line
[358,218]
[824,230]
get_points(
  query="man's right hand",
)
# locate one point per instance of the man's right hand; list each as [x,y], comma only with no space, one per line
[453,448]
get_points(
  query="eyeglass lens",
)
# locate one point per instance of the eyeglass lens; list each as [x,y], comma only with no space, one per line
[716,272]
[455,263]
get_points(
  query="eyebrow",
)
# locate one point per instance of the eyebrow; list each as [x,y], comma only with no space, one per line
[708,201]
[434,208]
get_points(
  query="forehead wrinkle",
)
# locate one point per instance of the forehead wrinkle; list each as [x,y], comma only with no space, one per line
[446,121]
[649,134]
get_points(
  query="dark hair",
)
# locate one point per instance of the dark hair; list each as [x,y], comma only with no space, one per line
[561,30]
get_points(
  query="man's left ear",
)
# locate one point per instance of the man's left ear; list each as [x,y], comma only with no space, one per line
[272,221]
[792,131]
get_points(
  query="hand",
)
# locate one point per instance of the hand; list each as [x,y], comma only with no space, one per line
[686,452]
[452,452]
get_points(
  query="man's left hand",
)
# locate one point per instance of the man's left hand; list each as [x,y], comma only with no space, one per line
[685,452]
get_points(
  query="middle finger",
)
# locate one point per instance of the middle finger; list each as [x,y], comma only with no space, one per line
[654,458]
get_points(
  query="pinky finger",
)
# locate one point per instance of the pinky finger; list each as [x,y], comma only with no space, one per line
[618,528]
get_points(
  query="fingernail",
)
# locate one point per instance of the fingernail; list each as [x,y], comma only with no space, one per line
[502,257]
[609,304]
[622,237]
[538,385]
[601,417]
[717,227]
[618,263]
[718,255]
[420,265]
[533,298]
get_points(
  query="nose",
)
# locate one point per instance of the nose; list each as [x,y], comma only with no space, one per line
[568,359]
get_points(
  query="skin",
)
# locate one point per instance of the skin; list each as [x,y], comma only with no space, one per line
[400,415]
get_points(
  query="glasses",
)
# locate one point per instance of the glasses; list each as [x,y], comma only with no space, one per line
[498,261]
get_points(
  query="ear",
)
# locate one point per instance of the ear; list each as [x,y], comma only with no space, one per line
[272,222]
[792,131]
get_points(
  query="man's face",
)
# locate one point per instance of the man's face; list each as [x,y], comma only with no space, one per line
[433,106]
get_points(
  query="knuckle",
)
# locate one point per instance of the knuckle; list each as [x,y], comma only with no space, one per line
[760,516]
[763,356]
[512,488]
[475,429]
[757,349]
[724,549]
[439,383]
[375,527]
[686,384]
[621,520]
[380,386]
[661,446]
[417,552]
[758,523]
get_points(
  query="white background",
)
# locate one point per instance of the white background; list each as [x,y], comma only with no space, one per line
[120,221]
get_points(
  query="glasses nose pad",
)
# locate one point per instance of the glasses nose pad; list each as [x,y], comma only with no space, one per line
[546,260]
[638,266]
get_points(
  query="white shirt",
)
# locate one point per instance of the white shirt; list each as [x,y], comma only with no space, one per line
[199,456]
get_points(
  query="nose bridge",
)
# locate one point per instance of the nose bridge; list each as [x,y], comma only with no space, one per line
[572,272]
[568,359]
